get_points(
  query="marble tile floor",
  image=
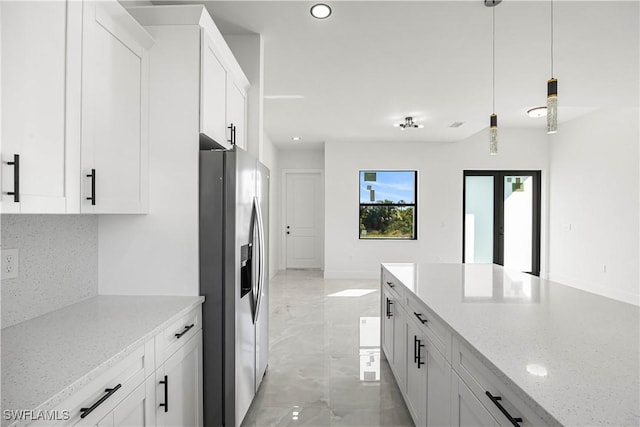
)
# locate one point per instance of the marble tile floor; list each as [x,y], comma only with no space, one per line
[325,367]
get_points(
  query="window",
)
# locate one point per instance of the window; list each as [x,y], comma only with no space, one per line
[388,204]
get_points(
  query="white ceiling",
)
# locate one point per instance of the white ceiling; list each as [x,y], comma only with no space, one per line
[374,62]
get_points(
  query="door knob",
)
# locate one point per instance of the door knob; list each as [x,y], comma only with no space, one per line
[288,232]
[288,227]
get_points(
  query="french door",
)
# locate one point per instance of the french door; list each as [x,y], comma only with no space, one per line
[501,221]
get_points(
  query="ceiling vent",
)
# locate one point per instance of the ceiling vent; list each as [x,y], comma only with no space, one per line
[456,124]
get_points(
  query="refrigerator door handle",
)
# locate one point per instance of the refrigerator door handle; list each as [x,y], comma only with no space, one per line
[261,257]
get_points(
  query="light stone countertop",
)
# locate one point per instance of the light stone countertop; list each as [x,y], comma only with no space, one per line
[48,358]
[588,344]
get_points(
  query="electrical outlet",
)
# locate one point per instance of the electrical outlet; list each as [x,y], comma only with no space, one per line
[10,263]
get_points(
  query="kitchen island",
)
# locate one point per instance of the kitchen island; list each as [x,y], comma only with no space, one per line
[556,354]
[58,360]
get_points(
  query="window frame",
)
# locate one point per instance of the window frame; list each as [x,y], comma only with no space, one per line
[414,205]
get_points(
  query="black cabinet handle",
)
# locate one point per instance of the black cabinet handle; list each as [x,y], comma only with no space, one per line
[232,134]
[186,329]
[166,394]
[495,399]
[16,178]
[391,284]
[92,175]
[415,349]
[419,356]
[389,304]
[418,315]
[86,411]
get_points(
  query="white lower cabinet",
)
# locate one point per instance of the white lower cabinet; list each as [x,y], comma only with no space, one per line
[466,409]
[439,374]
[179,386]
[157,384]
[417,376]
[137,409]
[443,382]
[387,326]
[428,379]
[399,365]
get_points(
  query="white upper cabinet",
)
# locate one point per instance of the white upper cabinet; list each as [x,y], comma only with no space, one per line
[74,99]
[33,106]
[115,132]
[221,100]
[237,114]
[213,95]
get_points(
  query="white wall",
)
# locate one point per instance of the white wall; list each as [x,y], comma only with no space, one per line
[270,158]
[301,159]
[594,213]
[440,167]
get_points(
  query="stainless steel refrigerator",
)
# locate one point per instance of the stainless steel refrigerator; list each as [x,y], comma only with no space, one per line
[234,215]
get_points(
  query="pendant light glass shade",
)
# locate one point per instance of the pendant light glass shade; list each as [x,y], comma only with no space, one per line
[552,106]
[493,134]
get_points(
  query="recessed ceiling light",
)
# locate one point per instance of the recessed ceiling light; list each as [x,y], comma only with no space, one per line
[320,11]
[296,138]
[456,124]
[537,112]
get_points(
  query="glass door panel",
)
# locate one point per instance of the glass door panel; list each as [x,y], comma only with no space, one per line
[502,219]
[478,216]
[518,222]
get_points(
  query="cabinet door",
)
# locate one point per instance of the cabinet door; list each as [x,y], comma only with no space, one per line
[33,105]
[179,386]
[438,387]
[137,409]
[466,408]
[387,327]
[399,344]
[114,110]
[213,95]
[416,359]
[237,113]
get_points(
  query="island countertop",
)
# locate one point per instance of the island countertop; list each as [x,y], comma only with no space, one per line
[585,347]
[48,358]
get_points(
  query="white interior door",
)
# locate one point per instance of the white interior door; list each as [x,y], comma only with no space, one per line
[303,219]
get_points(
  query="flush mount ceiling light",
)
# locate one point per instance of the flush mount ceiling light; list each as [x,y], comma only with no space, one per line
[320,11]
[408,123]
[296,138]
[537,112]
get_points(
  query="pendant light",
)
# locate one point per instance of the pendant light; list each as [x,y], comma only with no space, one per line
[493,119]
[552,91]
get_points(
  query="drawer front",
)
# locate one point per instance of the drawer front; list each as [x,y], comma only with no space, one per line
[121,380]
[392,285]
[482,382]
[430,325]
[179,331]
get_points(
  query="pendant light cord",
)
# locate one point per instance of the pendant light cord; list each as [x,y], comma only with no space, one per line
[551,38]
[493,84]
